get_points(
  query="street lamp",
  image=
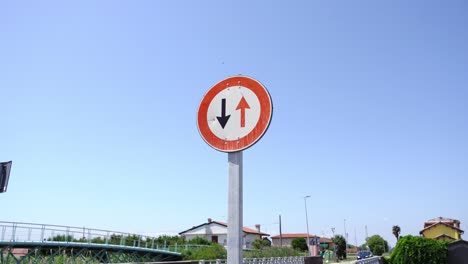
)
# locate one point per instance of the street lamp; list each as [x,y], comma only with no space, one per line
[5,168]
[307,223]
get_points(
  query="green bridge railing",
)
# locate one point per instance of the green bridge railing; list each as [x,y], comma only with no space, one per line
[43,243]
[31,232]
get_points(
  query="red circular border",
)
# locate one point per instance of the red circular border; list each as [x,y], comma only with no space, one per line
[257,132]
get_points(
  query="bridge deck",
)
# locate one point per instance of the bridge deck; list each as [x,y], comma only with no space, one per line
[50,241]
[160,255]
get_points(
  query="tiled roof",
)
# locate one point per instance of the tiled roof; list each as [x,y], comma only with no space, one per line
[245,229]
[445,236]
[441,219]
[325,240]
[296,235]
[453,222]
[303,235]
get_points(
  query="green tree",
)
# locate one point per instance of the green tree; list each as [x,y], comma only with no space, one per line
[340,244]
[261,243]
[115,239]
[396,231]
[199,241]
[132,240]
[169,240]
[97,240]
[377,245]
[61,238]
[299,243]
[416,250]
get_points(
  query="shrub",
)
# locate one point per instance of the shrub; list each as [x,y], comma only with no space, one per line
[261,243]
[271,252]
[299,244]
[199,241]
[385,260]
[216,251]
[419,250]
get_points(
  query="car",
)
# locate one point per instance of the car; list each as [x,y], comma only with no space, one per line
[364,254]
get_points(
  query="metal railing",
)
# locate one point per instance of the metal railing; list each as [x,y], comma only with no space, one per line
[31,232]
[373,260]
[279,260]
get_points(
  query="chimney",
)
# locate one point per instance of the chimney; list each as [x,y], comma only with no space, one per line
[258,227]
[210,220]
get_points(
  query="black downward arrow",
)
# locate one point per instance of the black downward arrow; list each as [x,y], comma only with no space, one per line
[223,119]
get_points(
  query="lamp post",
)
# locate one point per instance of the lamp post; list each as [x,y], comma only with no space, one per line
[307,223]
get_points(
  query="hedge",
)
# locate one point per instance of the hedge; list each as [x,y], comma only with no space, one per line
[419,250]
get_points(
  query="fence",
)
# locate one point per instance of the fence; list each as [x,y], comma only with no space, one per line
[279,260]
[373,260]
[30,232]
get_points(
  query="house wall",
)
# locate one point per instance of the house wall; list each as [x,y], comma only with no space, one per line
[222,238]
[249,239]
[208,231]
[439,230]
[286,242]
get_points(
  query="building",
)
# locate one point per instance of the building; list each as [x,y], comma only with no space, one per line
[458,252]
[286,240]
[442,229]
[216,232]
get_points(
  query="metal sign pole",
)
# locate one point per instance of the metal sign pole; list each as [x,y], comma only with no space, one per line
[235,208]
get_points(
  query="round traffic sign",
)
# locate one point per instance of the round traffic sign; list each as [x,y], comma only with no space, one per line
[234,114]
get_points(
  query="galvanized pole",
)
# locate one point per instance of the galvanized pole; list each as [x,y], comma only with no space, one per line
[307,224]
[235,208]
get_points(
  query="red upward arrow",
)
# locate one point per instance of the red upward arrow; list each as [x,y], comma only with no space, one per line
[242,106]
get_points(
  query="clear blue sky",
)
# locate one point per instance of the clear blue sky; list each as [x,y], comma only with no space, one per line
[99,102]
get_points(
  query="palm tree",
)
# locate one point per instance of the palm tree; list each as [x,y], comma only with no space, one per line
[396,231]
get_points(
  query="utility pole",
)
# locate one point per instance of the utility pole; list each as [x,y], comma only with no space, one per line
[367,236]
[307,224]
[355,239]
[281,234]
[346,237]
[334,245]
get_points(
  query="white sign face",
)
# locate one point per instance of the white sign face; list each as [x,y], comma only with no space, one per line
[234,114]
[242,111]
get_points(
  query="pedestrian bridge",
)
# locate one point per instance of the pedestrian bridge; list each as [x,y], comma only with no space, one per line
[42,243]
